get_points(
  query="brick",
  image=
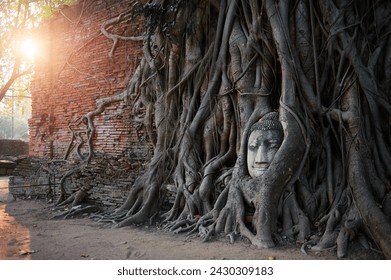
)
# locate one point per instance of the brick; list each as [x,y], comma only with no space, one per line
[62,93]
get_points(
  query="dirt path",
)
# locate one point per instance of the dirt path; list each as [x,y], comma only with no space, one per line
[14,237]
[27,232]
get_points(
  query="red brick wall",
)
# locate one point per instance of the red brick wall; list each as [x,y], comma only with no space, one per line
[73,71]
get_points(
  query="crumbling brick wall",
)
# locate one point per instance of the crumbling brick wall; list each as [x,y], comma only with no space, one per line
[13,148]
[74,70]
[10,150]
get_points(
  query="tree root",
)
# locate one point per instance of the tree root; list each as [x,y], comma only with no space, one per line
[75,199]
[348,232]
[114,218]
[77,211]
[295,222]
[329,238]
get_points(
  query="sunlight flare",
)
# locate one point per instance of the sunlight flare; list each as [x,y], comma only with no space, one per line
[28,48]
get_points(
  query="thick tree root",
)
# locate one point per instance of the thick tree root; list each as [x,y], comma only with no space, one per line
[296,225]
[329,238]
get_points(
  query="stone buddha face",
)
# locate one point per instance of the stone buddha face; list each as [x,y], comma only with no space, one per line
[264,141]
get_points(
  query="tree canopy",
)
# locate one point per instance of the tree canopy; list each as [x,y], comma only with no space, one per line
[18,18]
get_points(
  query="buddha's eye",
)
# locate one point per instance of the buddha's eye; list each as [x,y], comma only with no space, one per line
[252,146]
[274,145]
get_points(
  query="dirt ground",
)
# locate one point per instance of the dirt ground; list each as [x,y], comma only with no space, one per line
[27,231]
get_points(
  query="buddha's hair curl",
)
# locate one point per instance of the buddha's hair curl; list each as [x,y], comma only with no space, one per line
[269,121]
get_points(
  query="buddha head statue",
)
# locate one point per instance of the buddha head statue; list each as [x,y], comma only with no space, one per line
[264,140]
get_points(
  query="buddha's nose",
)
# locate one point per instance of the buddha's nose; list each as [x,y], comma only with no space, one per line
[262,155]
